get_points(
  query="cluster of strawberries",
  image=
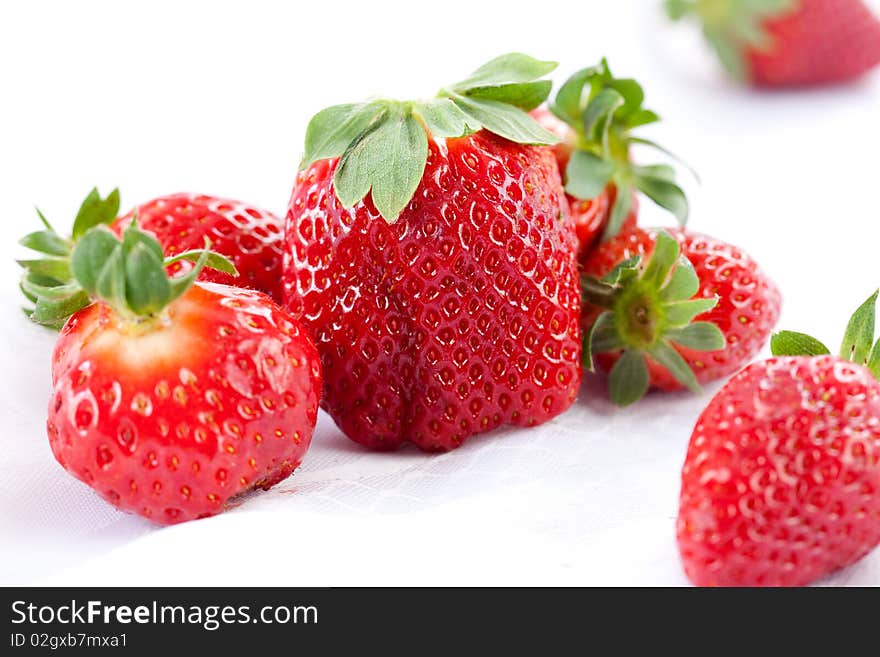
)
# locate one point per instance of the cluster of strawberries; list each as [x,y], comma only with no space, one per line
[447,267]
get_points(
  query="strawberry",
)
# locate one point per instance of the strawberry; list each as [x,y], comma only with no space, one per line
[788,43]
[249,237]
[595,115]
[590,216]
[171,398]
[779,487]
[430,251]
[644,289]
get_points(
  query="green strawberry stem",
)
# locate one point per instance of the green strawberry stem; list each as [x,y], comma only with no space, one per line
[858,345]
[732,26]
[649,307]
[129,274]
[602,112]
[597,292]
[383,144]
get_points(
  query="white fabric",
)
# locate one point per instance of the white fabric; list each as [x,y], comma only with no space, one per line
[589,498]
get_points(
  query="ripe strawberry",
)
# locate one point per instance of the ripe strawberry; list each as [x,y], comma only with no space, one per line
[590,215]
[789,43]
[640,314]
[779,487]
[251,238]
[595,114]
[434,262]
[170,398]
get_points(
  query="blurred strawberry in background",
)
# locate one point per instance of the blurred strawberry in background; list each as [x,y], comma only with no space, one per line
[788,43]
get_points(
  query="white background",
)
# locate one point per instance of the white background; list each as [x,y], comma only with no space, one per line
[159,97]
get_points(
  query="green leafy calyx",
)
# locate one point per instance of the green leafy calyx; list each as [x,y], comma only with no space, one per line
[93,264]
[383,144]
[603,111]
[732,27]
[129,274]
[47,281]
[650,308]
[858,345]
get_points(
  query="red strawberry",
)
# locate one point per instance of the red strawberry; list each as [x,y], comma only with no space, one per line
[789,43]
[595,115]
[779,487]
[251,238]
[171,399]
[437,271]
[650,310]
[590,215]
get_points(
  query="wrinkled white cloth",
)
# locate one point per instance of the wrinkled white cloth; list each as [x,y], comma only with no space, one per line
[548,505]
[589,498]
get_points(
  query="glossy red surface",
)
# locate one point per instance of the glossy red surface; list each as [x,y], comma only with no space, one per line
[458,318]
[219,398]
[779,487]
[250,237]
